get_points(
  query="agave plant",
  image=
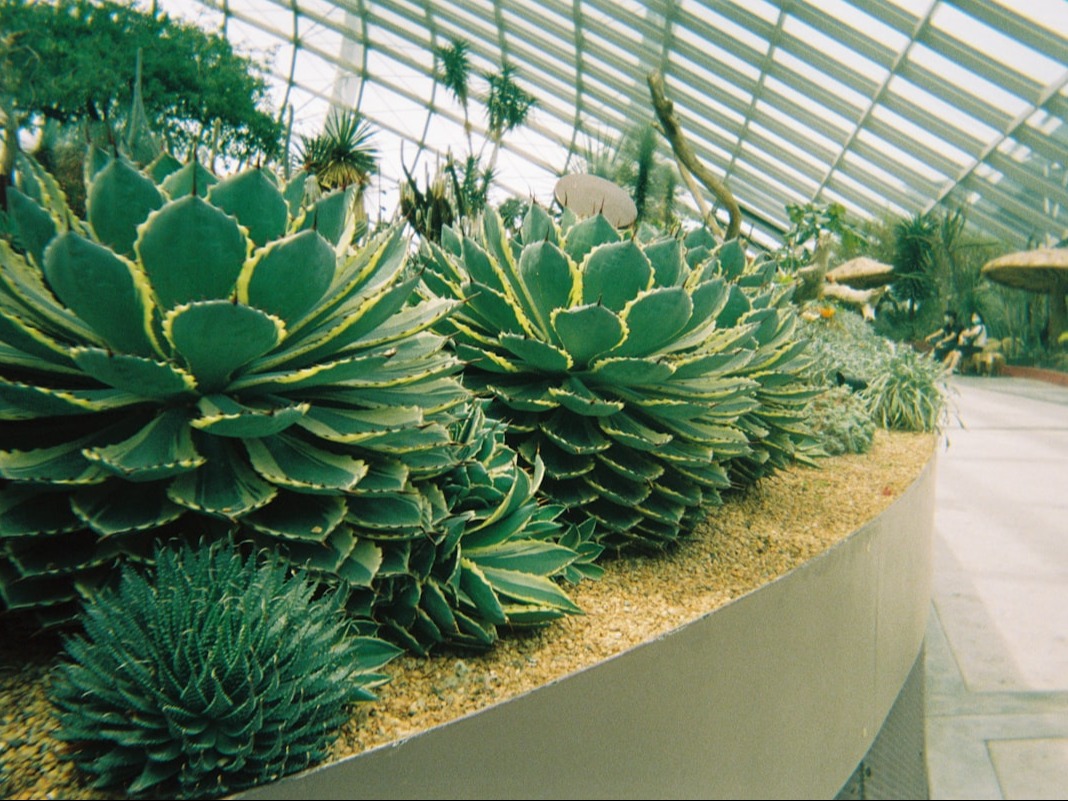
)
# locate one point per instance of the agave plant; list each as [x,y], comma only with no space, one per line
[614,362]
[777,427]
[206,351]
[489,558]
[212,673]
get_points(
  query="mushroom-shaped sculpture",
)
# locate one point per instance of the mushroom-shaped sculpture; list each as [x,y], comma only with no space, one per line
[587,195]
[1039,270]
[862,273]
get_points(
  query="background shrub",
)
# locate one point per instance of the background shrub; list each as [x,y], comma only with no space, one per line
[841,422]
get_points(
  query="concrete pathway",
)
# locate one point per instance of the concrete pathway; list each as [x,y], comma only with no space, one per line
[997,640]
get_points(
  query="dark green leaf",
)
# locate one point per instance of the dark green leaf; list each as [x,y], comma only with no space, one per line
[134,374]
[588,331]
[614,275]
[296,464]
[288,277]
[119,507]
[255,201]
[588,234]
[120,198]
[192,251]
[107,292]
[161,449]
[192,176]
[654,320]
[32,226]
[216,338]
[225,417]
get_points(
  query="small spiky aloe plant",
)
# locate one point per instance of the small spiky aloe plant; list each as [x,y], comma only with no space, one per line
[206,349]
[213,673]
[626,370]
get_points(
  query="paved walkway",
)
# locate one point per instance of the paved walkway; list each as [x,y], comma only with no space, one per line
[997,641]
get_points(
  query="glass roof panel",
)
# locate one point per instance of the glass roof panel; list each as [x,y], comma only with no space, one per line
[899,104]
[1012,53]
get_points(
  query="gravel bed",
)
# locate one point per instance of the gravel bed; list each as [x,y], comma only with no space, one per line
[754,538]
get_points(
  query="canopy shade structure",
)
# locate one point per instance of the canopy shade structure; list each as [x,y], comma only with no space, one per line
[880,105]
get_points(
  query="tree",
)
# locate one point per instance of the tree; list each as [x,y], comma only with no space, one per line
[74,61]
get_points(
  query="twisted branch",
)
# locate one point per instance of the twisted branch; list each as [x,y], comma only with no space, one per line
[689,166]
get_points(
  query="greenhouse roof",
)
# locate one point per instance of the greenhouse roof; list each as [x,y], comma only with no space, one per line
[879,105]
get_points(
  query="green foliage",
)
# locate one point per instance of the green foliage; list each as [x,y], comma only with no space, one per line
[909,394]
[457,194]
[455,69]
[631,162]
[512,212]
[937,260]
[428,210]
[841,422]
[915,241]
[488,558]
[218,354]
[75,60]
[622,367]
[459,191]
[902,388]
[211,673]
[342,154]
[507,103]
[808,222]
[844,343]
[776,426]
[230,358]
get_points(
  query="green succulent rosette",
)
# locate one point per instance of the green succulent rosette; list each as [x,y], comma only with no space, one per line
[213,351]
[630,369]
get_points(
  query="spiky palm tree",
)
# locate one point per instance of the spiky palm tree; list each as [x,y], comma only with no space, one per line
[507,105]
[342,156]
[455,75]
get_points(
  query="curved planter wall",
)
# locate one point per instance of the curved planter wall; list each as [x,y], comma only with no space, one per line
[778,694]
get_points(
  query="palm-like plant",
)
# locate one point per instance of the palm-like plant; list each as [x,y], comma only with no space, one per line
[455,75]
[915,241]
[342,156]
[507,105]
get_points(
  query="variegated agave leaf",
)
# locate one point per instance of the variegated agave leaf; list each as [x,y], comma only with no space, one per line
[618,365]
[209,349]
[777,427]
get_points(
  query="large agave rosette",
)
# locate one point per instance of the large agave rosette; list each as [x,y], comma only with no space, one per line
[212,352]
[615,362]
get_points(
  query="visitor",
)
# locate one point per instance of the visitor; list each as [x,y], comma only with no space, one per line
[972,340]
[944,340]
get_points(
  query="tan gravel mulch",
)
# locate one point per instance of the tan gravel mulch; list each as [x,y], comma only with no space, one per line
[754,538]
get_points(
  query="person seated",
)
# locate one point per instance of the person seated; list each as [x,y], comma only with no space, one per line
[944,340]
[971,340]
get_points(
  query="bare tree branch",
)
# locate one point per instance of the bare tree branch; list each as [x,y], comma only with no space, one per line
[665,112]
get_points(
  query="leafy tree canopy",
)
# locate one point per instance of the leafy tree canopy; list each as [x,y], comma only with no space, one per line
[75,61]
